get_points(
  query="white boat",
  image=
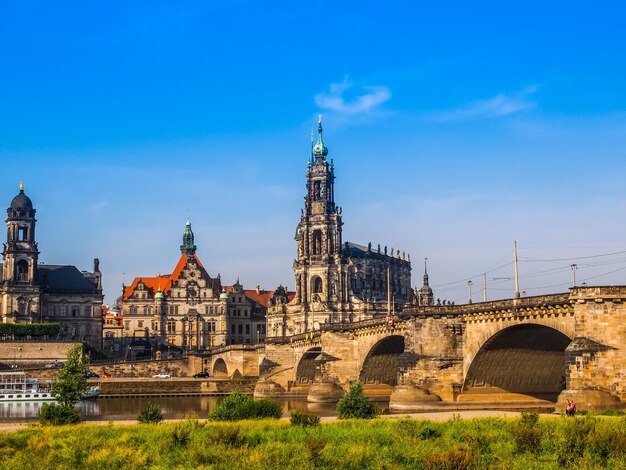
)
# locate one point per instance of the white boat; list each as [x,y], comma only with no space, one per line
[91,393]
[15,386]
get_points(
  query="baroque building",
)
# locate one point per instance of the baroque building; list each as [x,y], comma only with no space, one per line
[188,309]
[31,292]
[336,281]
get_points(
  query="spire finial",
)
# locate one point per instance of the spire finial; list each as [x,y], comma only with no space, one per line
[425,267]
[21,186]
[319,149]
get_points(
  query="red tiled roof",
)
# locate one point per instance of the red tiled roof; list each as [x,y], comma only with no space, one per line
[262,297]
[164,282]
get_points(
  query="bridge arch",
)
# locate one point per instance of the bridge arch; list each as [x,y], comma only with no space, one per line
[525,359]
[305,372]
[380,366]
[477,333]
[219,368]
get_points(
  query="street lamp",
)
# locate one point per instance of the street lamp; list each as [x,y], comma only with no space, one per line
[469,286]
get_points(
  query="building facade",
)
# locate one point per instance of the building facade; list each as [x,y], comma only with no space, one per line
[336,281]
[188,310]
[31,292]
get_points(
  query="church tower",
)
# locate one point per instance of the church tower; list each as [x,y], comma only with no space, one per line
[188,247]
[19,268]
[318,235]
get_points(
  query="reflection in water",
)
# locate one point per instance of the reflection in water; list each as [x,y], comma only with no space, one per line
[128,408]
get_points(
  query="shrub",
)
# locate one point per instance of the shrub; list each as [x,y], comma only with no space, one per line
[355,404]
[150,414]
[57,415]
[302,418]
[263,408]
[237,406]
[229,436]
[527,434]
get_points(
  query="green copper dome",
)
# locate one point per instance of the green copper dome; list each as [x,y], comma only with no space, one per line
[223,295]
[159,295]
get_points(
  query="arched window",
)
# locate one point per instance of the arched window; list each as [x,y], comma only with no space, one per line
[316,285]
[21,271]
[317,242]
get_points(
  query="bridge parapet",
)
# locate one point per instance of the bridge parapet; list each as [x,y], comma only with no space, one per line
[534,302]
[598,293]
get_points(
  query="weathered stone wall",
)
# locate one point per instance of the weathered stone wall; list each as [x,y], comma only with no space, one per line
[28,353]
[596,359]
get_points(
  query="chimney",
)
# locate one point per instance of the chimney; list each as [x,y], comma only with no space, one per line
[258,289]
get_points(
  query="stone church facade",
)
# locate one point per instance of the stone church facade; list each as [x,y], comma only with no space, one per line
[31,292]
[336,281]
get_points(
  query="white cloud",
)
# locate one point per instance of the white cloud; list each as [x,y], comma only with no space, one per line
[498,106]
[335,100]
[97,207]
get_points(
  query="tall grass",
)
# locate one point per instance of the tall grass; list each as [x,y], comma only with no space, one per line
[586,442]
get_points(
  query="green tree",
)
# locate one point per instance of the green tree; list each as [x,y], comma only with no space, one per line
[70,384]
[355,404]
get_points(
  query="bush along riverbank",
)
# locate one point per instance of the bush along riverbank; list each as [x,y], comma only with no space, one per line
[528,442]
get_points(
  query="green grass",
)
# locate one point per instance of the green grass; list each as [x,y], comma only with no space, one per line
[582,442]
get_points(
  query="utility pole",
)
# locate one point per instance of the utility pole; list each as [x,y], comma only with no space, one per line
[516,272]
[484,287]
[469,285]
[574,268]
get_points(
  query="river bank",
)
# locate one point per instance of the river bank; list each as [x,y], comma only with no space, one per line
[461,440]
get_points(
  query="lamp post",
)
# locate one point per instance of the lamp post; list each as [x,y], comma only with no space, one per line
[469,286]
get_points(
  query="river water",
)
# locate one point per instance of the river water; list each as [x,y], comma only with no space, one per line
[105,409]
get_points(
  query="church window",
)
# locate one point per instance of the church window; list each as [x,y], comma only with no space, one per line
[317,190]
[63,310]
[240,329]
[88,310]
[22,234]
[21,305]
[50,310]
[316,285]
[75,310]
[317,242]
[22,271]
[248,328]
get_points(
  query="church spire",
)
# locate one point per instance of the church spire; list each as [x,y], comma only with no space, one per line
[319,150]
[188,246]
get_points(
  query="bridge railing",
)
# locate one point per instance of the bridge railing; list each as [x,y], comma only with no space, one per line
[490,306]
[234,347]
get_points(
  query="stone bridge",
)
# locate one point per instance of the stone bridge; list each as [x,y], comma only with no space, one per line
[530,351]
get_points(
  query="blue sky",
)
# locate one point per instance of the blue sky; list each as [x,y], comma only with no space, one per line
[455,128]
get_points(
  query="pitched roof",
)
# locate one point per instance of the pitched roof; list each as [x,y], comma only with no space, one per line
[262,296]
[64,279]
[165,281]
